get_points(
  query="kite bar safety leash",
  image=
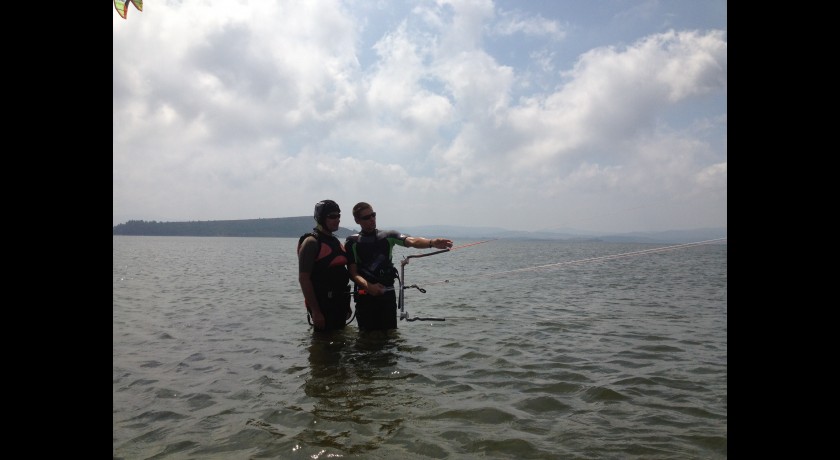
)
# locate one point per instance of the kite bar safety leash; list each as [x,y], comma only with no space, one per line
[404,314]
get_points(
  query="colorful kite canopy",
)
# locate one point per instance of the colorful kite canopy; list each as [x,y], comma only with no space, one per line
[122,6]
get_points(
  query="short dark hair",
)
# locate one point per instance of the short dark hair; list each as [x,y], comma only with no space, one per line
[360,206]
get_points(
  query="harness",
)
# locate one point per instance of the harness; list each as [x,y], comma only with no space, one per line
[372,255]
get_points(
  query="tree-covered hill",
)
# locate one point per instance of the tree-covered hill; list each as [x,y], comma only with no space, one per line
[282,227]
[293,227]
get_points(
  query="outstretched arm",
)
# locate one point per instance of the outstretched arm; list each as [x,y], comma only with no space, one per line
[425,243]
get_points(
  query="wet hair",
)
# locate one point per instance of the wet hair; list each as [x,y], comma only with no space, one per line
[360,206]
[324,207]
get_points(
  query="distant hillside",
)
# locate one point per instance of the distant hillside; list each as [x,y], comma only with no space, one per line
[282,227]
[293,227]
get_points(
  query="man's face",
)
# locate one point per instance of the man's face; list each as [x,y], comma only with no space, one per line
[367,219]
[332,221]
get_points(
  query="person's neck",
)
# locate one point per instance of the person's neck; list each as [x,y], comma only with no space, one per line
[320,228]
[370,232]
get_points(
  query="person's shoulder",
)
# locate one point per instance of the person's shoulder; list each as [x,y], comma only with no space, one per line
[313,234]
[394,234]
[307,244]
[308,239]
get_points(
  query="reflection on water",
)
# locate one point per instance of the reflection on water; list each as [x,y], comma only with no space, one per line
[355,382]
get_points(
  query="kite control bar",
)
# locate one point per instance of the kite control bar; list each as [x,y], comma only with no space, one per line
[403,287]
[404,314]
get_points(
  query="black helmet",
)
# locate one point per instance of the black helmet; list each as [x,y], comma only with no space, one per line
[324,207]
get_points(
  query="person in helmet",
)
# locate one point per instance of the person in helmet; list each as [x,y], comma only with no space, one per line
[372,270]
[322,271]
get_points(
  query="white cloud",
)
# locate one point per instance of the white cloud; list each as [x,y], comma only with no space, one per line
[247,109]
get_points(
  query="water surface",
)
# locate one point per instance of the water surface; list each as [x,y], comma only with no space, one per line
[549,349]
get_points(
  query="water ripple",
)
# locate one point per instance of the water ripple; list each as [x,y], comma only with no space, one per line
[213,357]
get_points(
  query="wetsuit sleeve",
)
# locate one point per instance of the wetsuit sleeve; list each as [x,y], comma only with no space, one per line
[396,237]
[308,253]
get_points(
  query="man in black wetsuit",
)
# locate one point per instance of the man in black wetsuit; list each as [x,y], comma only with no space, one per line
[322,271]
[371,268]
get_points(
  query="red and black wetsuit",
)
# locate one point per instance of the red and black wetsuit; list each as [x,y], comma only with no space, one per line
[329,276]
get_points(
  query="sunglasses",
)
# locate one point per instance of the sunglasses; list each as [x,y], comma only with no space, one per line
[333,216]
[368,217]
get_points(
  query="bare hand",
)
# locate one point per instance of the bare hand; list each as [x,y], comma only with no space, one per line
[375,289]
[318,319]
[441,243]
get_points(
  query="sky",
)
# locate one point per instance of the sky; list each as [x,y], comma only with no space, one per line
[604,116]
